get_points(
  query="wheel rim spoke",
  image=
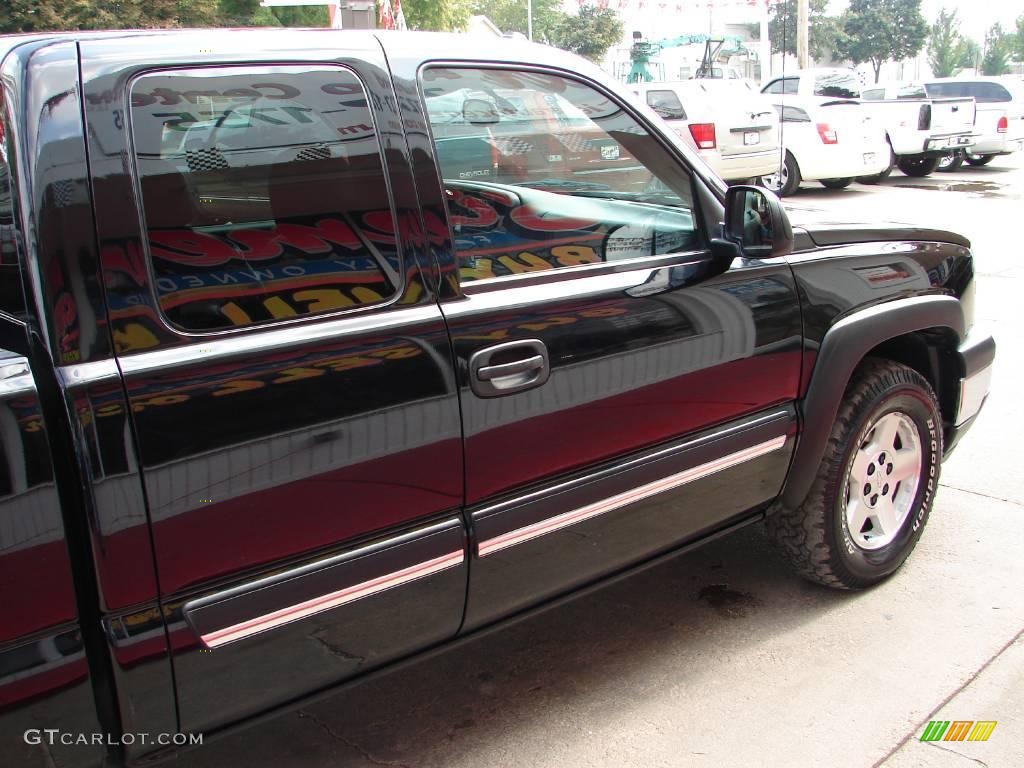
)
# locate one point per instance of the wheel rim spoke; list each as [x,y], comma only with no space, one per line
[882,483]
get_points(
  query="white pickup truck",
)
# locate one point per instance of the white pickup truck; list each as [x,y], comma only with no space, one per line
[919,130]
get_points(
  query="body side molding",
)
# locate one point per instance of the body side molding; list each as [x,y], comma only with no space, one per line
[845,344]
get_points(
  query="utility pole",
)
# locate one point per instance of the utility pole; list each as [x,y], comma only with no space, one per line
[802,23]
[529,19]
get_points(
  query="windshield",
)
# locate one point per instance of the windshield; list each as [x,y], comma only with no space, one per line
[837,84]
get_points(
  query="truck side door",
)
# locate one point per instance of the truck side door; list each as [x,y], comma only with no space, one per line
[287,367]
[617,399]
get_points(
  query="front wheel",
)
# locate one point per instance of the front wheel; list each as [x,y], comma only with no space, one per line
[836,183]
[979,160]
[786,181]
[875,485]
[918,165]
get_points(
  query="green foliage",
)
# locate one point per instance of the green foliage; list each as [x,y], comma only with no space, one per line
[437,15]
[510,16]
[1018,39]
[998,46]
[877,31]
[44,15]
[971,58]
[591,32]
[946,46]
[822,33]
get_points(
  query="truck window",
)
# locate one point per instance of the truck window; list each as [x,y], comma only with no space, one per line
[12,299]
[666,104]
[785,85]
[983,92]
[259,188]
[542,171]
[837,84]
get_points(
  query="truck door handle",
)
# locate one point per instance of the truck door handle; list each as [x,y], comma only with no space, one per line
[494,380]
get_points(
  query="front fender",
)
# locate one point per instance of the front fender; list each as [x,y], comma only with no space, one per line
[843,347]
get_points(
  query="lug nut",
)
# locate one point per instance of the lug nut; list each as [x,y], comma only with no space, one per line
[885,489]
[867,488]
[881,459]
[888,470]
[871,469]
[874,500]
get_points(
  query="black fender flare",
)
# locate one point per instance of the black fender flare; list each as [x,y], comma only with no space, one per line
[844,346]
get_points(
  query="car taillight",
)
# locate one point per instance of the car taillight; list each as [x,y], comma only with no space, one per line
[1003,125]
[703,135]
[828,135]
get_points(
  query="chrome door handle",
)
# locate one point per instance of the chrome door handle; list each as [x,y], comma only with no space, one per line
[492,372]
[531,370]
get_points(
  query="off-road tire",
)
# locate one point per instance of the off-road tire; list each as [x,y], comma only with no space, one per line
[918,166]
[814,537]
[979,160]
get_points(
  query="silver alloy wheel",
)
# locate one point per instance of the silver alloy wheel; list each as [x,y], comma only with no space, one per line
[776,181]
[883,480]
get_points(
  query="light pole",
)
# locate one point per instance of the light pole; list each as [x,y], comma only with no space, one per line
[529,19]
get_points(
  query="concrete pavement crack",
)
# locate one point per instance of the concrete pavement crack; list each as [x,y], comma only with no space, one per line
[948,699]
[958,754]
[349,743]
[979,493]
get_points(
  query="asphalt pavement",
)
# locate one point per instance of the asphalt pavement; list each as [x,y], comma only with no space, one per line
[723,657]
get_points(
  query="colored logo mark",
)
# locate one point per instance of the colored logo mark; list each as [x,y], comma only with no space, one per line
[958,730]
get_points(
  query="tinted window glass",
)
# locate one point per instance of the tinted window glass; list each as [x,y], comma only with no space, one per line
[788,85]
[666,104]
[838,84]
[873,94]
[542,172]
[264,194]
[983,92]
[792,114]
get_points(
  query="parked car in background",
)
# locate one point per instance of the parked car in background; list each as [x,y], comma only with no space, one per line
[999,122]
[730,125]
[925,133]
[827,134]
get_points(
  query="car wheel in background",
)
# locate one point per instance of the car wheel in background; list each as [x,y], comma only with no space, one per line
[880,176]
[836,183]
[952,161]
[870,500]
[979,160]
[918,165]
[784,183]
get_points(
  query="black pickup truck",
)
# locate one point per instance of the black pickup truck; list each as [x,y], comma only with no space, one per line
[289,395]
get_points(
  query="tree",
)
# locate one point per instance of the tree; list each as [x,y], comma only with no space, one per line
[1018,42]
[946,46]
[437,15]
[821,34]
[996,60]
[971,58]
[510,16]
[591,32]
[879,30]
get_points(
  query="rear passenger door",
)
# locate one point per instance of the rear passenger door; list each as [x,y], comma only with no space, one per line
[618,398]
[286,363]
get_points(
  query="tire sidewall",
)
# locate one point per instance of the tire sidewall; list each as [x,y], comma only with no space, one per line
[875,564]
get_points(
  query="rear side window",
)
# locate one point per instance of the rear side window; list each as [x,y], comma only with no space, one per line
[666,104]
[264,194]
[983,92]
[789,114]
[837,85]
[787,85]
[873,94]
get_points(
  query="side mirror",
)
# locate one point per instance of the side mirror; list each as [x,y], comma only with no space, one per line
[756,222]
[479,112]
